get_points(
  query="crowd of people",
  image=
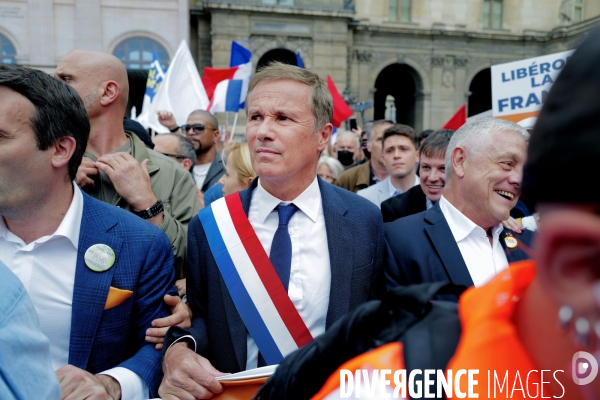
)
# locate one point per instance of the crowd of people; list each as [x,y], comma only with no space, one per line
[132,269]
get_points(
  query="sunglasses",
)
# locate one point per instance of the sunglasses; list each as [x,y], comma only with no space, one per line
[198,129]
[174,156]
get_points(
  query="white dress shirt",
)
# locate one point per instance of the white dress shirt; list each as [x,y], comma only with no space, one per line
[483,260]
[310,274]
[46,267]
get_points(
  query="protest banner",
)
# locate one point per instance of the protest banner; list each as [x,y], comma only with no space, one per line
[519,88]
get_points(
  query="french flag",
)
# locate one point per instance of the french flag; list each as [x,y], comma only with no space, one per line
[227,87]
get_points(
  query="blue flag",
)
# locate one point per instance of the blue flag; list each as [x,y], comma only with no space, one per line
[155,77]
[239,55]
[299,62]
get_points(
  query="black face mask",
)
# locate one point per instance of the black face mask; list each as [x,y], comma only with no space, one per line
[346,157]
[367,153]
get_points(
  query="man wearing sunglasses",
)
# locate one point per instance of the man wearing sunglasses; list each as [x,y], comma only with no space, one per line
[202,129]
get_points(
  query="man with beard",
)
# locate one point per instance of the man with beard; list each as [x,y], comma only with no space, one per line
[202,129]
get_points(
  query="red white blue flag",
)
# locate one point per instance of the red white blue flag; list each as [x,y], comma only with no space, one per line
[221,91]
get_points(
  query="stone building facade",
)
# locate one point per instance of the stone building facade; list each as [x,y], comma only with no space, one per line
[426,57]
[38,33]
[431,56]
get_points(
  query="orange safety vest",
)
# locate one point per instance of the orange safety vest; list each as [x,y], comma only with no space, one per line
[488,342]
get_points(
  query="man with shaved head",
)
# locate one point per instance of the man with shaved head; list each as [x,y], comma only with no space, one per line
[202,129]
[117,168]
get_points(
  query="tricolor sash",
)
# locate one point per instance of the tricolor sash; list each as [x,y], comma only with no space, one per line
[256,290]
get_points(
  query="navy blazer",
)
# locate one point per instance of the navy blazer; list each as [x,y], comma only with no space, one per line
[411,202]
[103,339]
[421,248]
[356,249]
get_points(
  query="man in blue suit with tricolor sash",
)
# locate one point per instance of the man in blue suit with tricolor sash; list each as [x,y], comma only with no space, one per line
[275,265]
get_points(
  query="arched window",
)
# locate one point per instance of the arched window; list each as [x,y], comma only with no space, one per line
[137,53]
[480,99]
[396,91]
[282,55]
[8,51]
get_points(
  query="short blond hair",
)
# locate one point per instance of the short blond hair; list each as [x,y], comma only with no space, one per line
[320,102]
[240,157]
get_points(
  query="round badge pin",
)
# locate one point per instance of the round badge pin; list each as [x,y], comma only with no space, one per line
[511,242]
[99,257]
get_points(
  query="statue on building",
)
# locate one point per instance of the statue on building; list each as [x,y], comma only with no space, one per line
[566,12]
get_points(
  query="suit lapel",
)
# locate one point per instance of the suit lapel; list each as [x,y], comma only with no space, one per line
[441,236]
[517,253]
[237,328]
[215,167]
[90,288]
[381,193]
[340,252]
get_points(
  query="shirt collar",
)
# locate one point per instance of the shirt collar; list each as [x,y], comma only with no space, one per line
[428,203]
[68,228]
[460,225]
[309,201]
[394,191]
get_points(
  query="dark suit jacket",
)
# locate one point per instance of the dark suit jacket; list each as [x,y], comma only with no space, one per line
[409,203]
[355,178]
[103,339]
[421,248]
[356,248]
[214,173]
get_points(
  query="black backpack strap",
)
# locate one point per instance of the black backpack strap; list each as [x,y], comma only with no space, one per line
[431,341]
[302,373]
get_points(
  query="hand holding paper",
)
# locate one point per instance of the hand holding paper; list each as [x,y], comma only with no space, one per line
[187,373]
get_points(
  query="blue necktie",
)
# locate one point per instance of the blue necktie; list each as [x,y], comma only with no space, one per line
[281,248]
[281,252]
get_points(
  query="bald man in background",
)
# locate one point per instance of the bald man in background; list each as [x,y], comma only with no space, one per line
[117,168]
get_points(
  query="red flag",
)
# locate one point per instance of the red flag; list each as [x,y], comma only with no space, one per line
[341,110]
[457,120]
[212,76]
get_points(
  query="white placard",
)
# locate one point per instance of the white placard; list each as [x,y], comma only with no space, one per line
[519,88]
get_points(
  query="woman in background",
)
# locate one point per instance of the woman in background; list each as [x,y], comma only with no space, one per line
[329,168]
[238,169]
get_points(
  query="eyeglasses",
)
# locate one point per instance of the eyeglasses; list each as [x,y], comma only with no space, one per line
[174,156]
[198,129]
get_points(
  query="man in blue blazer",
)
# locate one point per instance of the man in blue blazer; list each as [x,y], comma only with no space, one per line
[461,238]
[336,244]
[95,274]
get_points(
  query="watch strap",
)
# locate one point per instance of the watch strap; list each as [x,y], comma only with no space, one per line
[173,130]
[151,211]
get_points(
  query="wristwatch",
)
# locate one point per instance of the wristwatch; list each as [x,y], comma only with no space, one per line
[174,129]
[152,211]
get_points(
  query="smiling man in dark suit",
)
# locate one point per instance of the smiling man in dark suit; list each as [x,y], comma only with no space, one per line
[325,244]
[461,238]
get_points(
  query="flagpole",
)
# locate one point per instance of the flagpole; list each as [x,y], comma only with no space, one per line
[234,124]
